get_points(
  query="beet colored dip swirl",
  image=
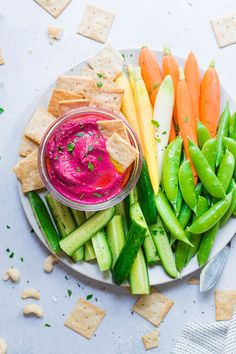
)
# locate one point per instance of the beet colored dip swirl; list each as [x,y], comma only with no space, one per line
[78,164]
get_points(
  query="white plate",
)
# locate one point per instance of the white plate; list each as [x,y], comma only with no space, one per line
[157,274]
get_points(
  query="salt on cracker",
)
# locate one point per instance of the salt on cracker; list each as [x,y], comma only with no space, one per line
[193,281]
[121,152]
[108,127]
[225,302]
[38,124]
[153,307]
[60,95]
[55,33]
[54,7]
[2,61]
[96,23]
[225,29]
[107,61]
[150,340]
[67,105]
[85,318]
[76,84]
[27,146]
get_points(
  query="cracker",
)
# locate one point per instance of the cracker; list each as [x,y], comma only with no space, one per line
[107,61]
[225,302]
[92,74]
[27,146]
[153,307]
[55,33]
[150,340]
[107,100]
[2,61]
[193,281]
[85,318]
[54,7]
[60,95]
[108,127]
[121,152]
[38,124]
[65,106]
[96,23]
[76,84]
[225,29]
[17,170]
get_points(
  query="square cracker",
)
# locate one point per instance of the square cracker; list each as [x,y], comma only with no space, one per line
[2,61]
[27,146]
[17,167]
[85,318]
[225,29]
[60,95]
[150,340]
[153,307]
[55,33]
[38,124]
[107,100]
[67,105]
[225,302]
[77,84]
[54,7]
[108,127]
[96,23]
[121,152]
[108,61]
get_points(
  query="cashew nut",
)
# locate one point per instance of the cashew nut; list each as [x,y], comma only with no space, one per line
[49,262]
[30,292]
[33,309]
[3,346]
[12,274]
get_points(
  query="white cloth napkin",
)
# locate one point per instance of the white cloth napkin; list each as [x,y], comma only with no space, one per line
[210,338]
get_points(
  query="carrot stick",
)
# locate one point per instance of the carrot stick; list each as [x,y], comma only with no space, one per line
[210,99]
[193,79]
[151,72]
[170,67]
[172,135]
[186,121]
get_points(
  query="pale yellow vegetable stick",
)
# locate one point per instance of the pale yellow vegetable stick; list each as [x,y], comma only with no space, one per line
[145,116]
[128,105]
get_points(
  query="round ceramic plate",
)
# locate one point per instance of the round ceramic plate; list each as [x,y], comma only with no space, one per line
[156,273]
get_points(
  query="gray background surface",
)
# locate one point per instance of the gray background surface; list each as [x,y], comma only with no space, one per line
[31,65]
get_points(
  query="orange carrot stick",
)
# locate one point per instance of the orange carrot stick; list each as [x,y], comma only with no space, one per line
[151,72]
[193,79]
[170,66]
[210,99]
[186,121]
[172,135]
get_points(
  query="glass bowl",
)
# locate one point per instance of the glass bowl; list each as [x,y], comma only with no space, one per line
[135,167]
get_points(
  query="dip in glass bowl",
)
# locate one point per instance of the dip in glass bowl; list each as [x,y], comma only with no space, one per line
[75,165]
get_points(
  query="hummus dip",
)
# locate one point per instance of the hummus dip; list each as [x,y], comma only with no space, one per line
[78,164]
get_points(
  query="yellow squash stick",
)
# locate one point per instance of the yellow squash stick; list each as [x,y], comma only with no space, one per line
[145,117]
[128,105]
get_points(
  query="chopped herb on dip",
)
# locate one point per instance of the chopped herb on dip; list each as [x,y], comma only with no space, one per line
[70,147]
[80,135]
[90,166]
[98,195]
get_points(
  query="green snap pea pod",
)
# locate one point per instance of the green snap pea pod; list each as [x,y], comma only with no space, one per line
[181,253]
[202,207]
[187,187]
[226,170]
[223,130]
[211,217]
[170,170]
[209,151]
[205,173]
[169,218]
[165,253]
[232,126]
[179,203]
[202,134]
[185,212]
[231,145]
[232,207]
[206,244]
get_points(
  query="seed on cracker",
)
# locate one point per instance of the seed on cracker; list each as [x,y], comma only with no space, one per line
[27,146]
[60,95]
[55,33]
[67,105]
[38,124]
[225,29]
[53,7]
[96,23]
[225,302]
[108,127]
[150,340]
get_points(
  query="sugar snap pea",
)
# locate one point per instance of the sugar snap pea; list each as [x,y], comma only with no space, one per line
[205,173]
[181,253]
[209,151]
[226,169]
[223,130]
[185,212]
[211,217]
[202,134]
[232,207]
[170,169]
[231,145]
[206,244]
[179,203]
[186,183]
[232,126]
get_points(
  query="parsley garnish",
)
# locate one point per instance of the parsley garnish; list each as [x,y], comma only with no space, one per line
[99,84]
[76,140]
[90,147]
[164,132]
[98,195]
[158,139]
[1,110]
[101,75]
[47,325]
[8,227]
[155,86]
[186,119]
[99,158]
[8,250]
[66,277]
[70,147]
[88,297]
[11,255]
[78,169]
[80,134]
[90,166]
[123,55]
[155,123]
[69,292]
[21,259]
